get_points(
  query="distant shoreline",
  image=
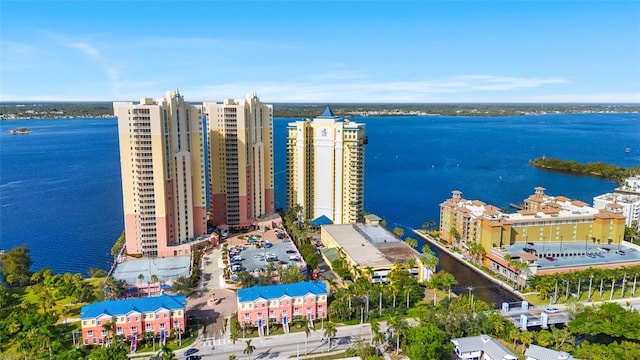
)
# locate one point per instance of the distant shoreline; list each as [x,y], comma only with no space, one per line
[47,110]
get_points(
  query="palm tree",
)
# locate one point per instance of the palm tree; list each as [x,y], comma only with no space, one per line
[109,327]
[307,330]
[233,357]
[330,331]
[249,349]
[448,280]
[155,280]
[411,242]
[526,337]
[167,354]
[398,232]
[400,328]
[233,337]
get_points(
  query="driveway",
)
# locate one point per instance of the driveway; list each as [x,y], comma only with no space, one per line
[198,305]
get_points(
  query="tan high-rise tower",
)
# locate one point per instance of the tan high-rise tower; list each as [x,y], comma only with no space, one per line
[326,168]
[162,159]
[240,137]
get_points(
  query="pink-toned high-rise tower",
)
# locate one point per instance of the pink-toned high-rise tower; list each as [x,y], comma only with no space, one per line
[162,156]
[240,136]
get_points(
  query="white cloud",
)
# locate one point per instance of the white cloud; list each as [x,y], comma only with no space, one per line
[86,48]
[357,89]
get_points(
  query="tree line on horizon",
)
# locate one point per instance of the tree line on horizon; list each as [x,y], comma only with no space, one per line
[309,110]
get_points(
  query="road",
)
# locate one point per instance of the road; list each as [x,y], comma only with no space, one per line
[283,346]
[534,312]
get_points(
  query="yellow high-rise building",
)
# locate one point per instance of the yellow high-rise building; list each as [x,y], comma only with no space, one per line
[543,219]
[240,137]
[326,168]
[162,159]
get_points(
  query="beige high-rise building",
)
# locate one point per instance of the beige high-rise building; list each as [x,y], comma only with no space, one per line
[240,137]
[326,168]
[162,160]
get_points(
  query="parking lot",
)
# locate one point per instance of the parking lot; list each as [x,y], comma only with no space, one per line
[253,256]
[554,254]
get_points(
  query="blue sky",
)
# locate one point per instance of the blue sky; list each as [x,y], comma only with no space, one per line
[320,51]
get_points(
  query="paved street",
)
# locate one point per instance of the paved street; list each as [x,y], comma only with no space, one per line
[283,346]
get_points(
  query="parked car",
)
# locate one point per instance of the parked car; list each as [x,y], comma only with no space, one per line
[236,268]
[190,351]
[620,252]
[550,258]
[194,357]
[291,251]
[551,310]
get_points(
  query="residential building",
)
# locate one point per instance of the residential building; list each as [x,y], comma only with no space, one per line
[326,168]
[482,347]
[240,144]
[544,218]
[132,318]
[370,247]
[631,186]
[628,196]
[630,205]
[258,304]
[535,352]
[162,160]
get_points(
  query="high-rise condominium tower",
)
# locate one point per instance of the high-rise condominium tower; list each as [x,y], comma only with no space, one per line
[240,137]
[162,157]
[326,168]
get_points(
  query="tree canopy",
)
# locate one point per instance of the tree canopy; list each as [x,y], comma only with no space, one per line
[15,266]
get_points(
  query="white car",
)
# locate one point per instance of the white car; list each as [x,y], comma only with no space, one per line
[551,310]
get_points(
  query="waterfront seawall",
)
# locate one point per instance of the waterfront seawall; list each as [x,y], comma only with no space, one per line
[459,258]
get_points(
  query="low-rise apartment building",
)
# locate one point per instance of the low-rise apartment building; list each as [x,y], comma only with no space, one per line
[132,318]
[259,304]
[543,218]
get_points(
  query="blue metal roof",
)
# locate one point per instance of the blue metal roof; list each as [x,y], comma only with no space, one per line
[277,291]
[121,307]
[327,112]
[321,220]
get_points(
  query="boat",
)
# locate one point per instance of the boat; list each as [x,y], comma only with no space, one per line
[20,131]
[627,150]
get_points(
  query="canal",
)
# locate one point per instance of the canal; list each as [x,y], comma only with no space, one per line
[471,281]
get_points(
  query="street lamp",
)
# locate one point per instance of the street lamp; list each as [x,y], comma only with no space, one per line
[560,245]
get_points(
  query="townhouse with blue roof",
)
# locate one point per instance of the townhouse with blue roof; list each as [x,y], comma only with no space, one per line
[282,303]
[133,317]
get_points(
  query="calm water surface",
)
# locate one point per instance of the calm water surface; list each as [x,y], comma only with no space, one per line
[60,185]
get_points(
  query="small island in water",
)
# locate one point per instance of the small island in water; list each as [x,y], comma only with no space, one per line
[599,169]
[20,131]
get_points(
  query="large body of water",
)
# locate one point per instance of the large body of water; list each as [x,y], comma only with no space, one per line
[60,185]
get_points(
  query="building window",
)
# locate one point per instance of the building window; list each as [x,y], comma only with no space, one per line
[134,329]
[148,327]
[162,326]
[246,316]
[90,333]
[99,322]
[104,333]
[119,330]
